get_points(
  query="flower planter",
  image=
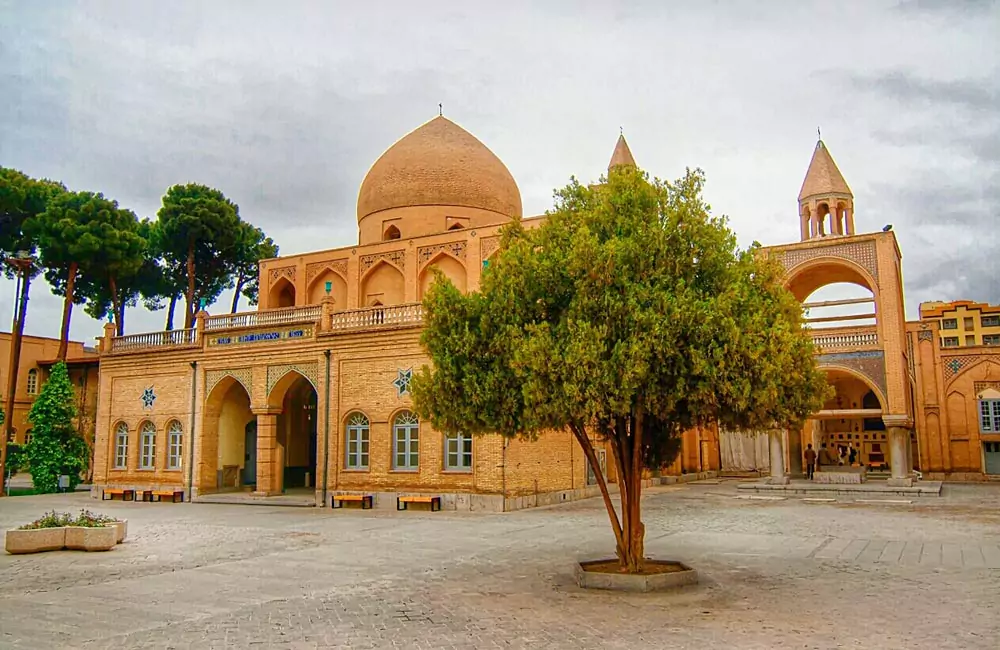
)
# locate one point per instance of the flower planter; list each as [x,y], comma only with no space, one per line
[659,575]
[35,541]
[121,528]
[101,538]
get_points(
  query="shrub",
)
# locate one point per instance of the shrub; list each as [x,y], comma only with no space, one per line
[51,519]
[56,448]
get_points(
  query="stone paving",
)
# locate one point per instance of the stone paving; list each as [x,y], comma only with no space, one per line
[776,573]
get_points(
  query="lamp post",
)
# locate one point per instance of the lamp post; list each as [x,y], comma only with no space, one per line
[23,264]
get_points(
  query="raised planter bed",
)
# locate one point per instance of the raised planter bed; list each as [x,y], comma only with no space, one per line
[35,541]
[97,538]
[659,575]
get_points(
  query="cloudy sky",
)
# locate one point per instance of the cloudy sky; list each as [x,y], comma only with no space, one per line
[284,106]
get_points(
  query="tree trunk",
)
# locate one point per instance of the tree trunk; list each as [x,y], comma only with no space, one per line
[627,450]
[170,312]
[588,451]
[120,319]
[20,311]
[189,314]
[67,311]
[240,281]
[115,307]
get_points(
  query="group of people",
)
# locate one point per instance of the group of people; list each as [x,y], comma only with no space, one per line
[844,455]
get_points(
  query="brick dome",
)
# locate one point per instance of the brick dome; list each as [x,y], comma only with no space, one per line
[441,164]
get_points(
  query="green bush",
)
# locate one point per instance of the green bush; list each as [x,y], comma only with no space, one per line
[51,519]
[56,448]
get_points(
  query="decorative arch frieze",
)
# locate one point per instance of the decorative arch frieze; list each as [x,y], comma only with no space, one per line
[455,249]
[955,366]
[488,246]
[283,272]
[307,369]
[316,268]
[868,363]
[395,258]
[242,375]
[862,253]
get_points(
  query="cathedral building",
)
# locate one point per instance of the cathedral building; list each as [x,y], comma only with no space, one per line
[310,392]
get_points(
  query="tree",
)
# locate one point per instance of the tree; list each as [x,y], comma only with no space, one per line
[199,228]
[629,315]
[113,278]
[74,234]
[56,448]
[254,247]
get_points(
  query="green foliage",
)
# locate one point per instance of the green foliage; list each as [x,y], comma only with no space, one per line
[17,459]
[630,314]
[88,519]
[51,519]
[56,448]
[254,246]
[113,278]
[22,199]
[199,231]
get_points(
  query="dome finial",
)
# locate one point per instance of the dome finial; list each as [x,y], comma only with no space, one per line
[440,110]
[819,136]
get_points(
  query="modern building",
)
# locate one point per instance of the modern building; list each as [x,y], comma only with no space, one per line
[964,323]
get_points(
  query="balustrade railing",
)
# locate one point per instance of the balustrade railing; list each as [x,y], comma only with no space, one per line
[263,318]
[842,339]
[394,315]
[169,338]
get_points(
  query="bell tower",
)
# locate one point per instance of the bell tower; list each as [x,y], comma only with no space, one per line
[826,204]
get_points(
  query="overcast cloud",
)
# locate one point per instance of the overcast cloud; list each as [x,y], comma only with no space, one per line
[284,107]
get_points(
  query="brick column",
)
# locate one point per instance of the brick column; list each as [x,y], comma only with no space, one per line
[268,453]
[778,475]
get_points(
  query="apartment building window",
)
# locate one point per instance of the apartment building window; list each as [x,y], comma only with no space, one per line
[970,323]
[989,415]
[950,341]
[991,339]
[32,381]
[970,339]
[990,321]
[949,324]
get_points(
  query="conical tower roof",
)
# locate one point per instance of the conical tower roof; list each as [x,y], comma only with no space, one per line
[622,155]
[823,177]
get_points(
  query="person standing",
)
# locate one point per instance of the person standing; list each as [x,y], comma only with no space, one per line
[810,461]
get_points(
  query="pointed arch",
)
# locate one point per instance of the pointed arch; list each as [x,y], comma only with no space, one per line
[805,278]
[280,387]
[281,294]
[391,232]
[338,288]
[865,379]
[222,442]
[452,268]
[384,282]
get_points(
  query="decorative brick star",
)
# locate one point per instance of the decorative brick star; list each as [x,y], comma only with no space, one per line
[148,397]
[955,365]
[402,381]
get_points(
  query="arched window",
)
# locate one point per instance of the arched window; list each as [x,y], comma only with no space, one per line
[458,453]
[147,457]
[121,446]
[392,232]
[175,438]
[358,429]
[406,441]
[456,226]
[33,381]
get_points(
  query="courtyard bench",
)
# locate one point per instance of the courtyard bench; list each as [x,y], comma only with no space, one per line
[124,493]
[157,495]
[402,502]
[366,500]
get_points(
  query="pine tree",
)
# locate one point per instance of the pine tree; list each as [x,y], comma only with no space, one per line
[56,448]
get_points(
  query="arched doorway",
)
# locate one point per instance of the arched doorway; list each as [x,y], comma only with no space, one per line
[295,431]
[225,452]
[852,419]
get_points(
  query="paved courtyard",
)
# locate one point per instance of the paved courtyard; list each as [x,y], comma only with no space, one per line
[788,573]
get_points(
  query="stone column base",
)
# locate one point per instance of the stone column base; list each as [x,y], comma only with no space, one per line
[778,480]
[900,482]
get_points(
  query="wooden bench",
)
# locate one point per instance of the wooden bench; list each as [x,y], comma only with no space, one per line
[157,495]
[402,502]
[366,500]
[124,493]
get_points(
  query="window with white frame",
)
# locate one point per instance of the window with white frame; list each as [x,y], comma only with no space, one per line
[32,381]
[990,321]
[406,441]
[175,438]
[989,415]
[121,446]
[147,457]
[458,453]
[949,324]
[358,431]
